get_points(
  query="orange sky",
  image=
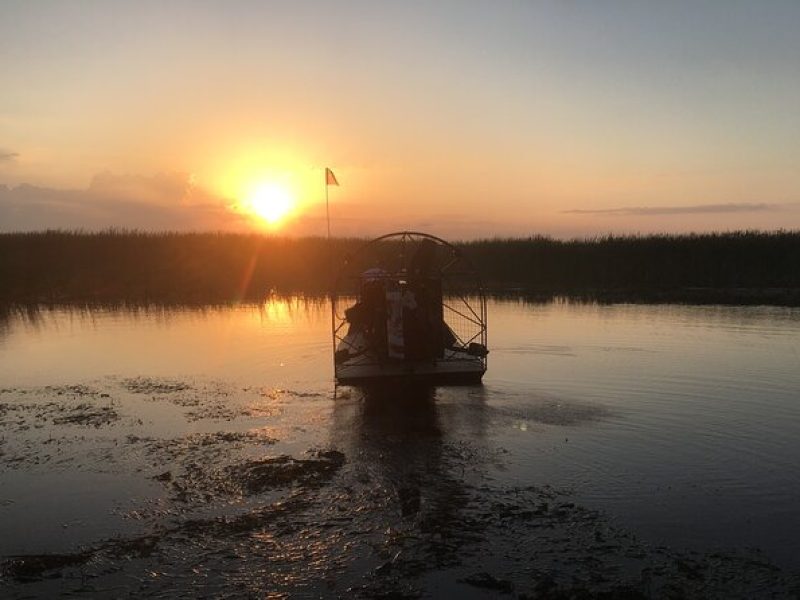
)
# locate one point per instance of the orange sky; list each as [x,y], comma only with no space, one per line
[465,119]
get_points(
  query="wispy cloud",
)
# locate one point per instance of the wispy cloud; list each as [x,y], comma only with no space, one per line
[731,207]
[7,155]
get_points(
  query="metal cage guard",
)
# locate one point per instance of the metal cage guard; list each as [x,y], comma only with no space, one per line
[408,305]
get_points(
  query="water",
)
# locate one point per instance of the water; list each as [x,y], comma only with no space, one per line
[699,432]
[678,426]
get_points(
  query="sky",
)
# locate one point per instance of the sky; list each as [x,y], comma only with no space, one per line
[459,118]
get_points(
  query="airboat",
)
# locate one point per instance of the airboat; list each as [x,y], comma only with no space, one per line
[409,307]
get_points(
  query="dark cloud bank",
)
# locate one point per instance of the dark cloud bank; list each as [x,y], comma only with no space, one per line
[162,202]
[678,210]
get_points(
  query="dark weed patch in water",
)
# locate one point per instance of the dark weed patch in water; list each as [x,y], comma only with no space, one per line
[86,414]
[199,464]
[72,390]
[255,477]
[196,448]
[23,416]
[34,567]
[210,400]
[209,481]
[145,385]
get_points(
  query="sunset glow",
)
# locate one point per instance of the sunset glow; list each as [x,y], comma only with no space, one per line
[565,121]
[270,202]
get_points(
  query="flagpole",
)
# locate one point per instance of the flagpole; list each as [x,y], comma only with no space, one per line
[331,292]
[327,206]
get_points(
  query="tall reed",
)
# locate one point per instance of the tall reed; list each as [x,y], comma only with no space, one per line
[135,266]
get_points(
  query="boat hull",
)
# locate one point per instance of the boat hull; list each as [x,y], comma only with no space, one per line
[432,373]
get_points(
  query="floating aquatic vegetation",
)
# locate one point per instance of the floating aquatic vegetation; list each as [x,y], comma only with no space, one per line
[86,414]
[146,385]
[394,501]
[257,476]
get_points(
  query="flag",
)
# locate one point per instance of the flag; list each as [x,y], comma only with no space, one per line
[330,178]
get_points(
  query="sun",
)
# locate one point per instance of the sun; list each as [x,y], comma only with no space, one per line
[271,202]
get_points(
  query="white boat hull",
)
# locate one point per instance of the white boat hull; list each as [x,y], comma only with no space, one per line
[438,372]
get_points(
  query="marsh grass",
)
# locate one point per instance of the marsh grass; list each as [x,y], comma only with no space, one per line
[737,267]
[138,267]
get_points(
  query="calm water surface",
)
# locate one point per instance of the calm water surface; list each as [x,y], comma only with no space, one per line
[679,423]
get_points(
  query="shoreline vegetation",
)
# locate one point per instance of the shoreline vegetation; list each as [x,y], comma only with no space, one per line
[132,267]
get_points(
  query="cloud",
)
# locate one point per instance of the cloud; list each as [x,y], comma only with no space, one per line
[8,156]
[112,201]
[161,188]
[731,207]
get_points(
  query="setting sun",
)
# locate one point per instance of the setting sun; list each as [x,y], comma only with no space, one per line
[271,202]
